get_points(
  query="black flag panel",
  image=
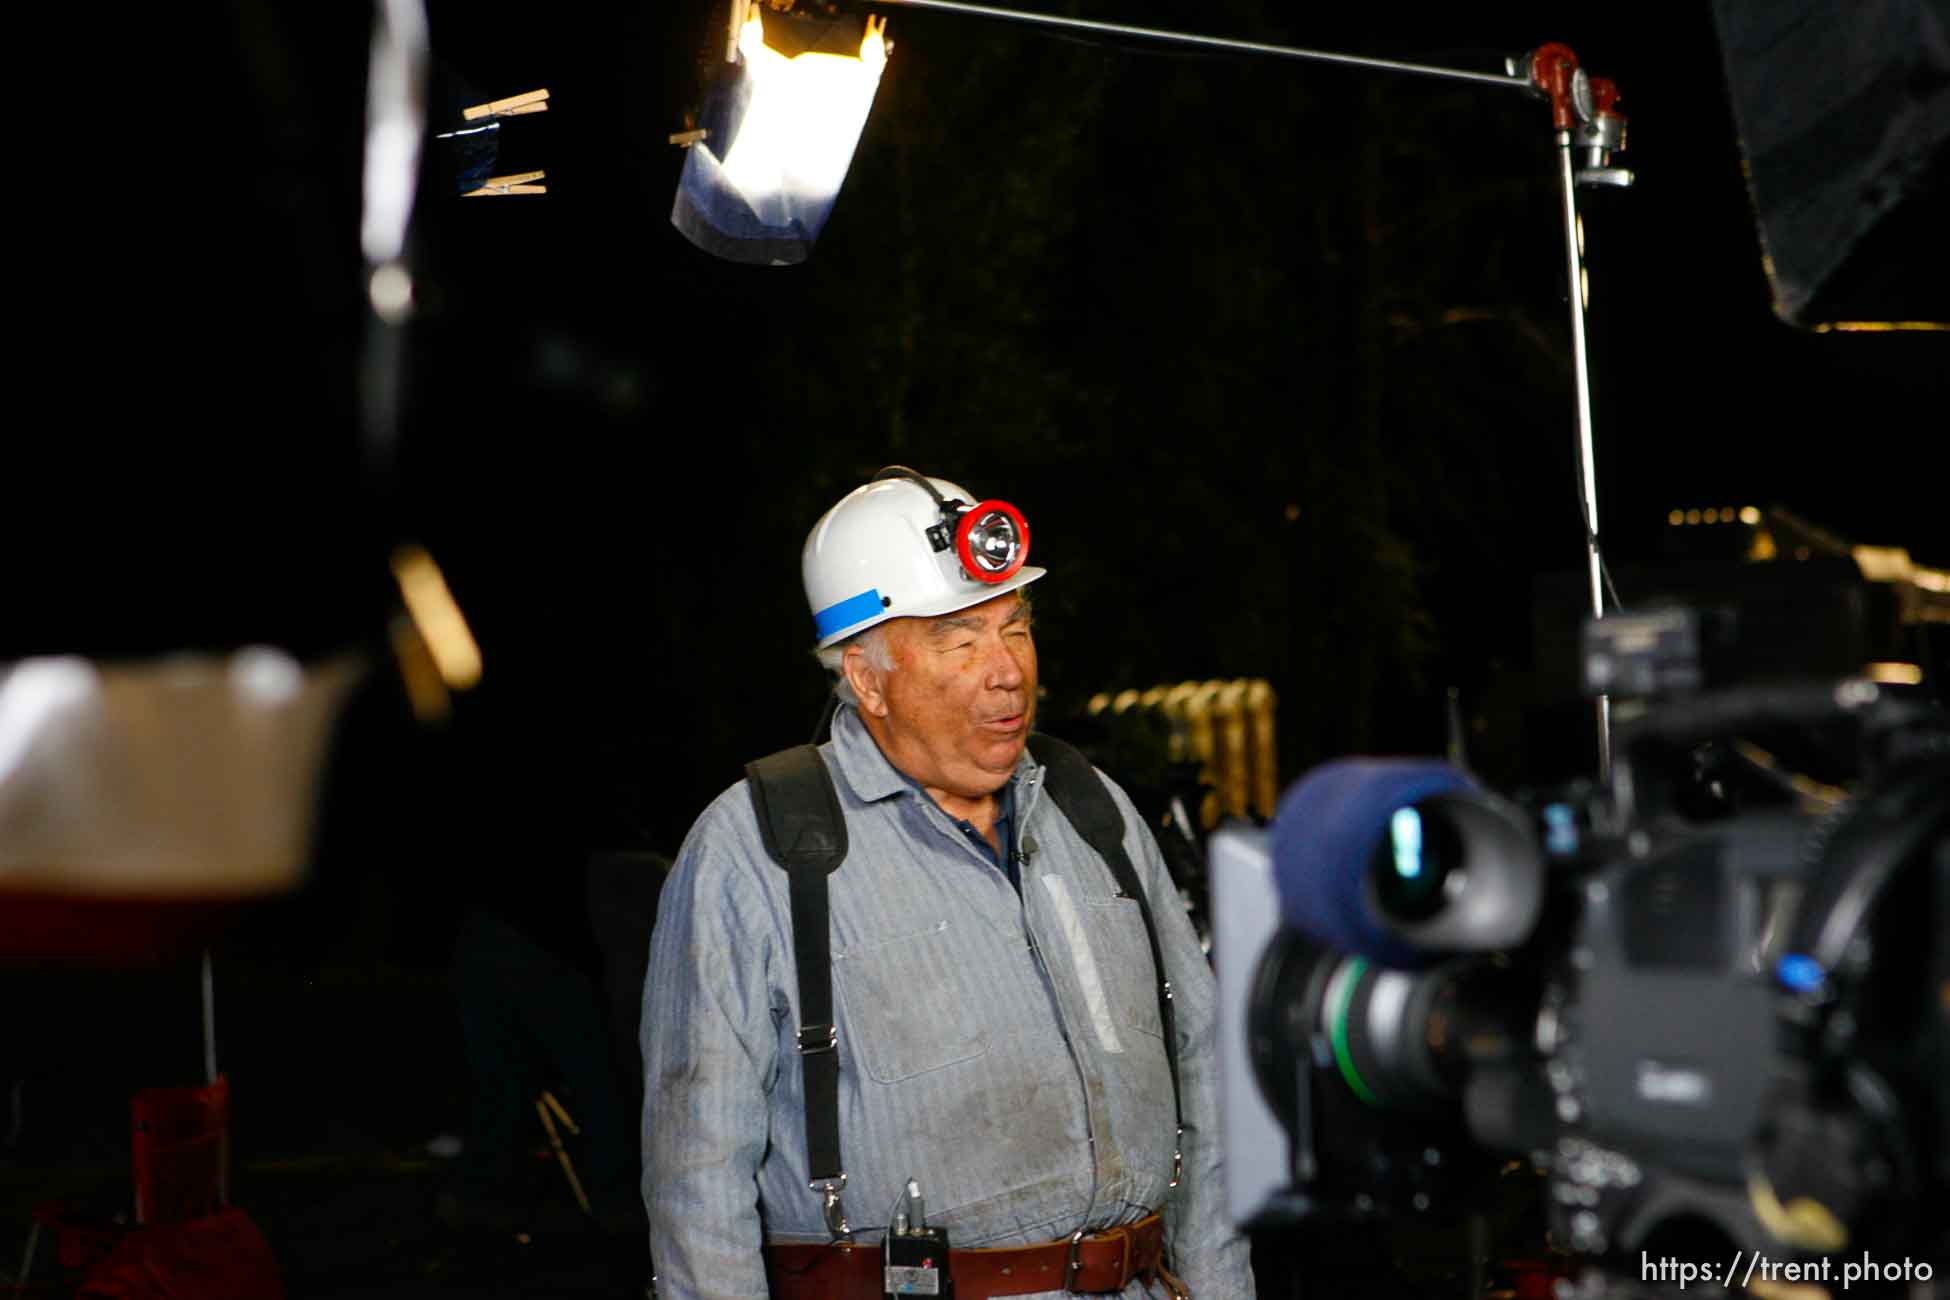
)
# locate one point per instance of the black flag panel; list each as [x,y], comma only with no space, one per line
[1843,108]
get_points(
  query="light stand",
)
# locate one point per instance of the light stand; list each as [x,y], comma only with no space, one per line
[1582,119]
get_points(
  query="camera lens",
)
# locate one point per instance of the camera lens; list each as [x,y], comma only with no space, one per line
[1414,863]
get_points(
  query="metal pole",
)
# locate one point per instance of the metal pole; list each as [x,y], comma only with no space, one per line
[1587,452]
[27,1264]
[1217,43]
[209,1021]
[1567,176]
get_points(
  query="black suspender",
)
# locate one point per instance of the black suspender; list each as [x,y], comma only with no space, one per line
[799,818]
[1073,783]
[800,822]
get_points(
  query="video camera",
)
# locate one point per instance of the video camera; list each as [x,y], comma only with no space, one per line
[1703,1006]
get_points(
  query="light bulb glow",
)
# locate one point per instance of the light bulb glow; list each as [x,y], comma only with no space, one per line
[799,131]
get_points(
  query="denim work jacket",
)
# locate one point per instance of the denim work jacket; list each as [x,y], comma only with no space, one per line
[1002,1050]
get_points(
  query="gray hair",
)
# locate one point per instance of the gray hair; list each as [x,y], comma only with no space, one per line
[879,654]
[874,641]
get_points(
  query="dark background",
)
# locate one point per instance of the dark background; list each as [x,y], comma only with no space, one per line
[1274,358]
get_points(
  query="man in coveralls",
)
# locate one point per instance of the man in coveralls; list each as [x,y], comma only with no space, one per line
[996,1013]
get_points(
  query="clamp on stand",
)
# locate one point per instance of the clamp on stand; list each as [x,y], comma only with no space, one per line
[1588,131]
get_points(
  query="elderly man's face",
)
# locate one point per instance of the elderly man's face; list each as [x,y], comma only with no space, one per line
[955,710]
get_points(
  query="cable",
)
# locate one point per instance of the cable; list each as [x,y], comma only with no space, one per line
[1115,31]
[1591,540]
[902,471]
[816,1262]
[823,729]
[1819,794]
[901,1200]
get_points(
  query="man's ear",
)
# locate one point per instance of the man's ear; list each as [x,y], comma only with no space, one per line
[864,678]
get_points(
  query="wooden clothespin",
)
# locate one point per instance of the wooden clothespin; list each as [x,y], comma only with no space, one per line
[685,139]
[548,1099]
[544,1105]
[534,101]
[519,183]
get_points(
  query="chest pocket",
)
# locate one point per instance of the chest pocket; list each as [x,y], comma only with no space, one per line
[910,1004]
[1116,930]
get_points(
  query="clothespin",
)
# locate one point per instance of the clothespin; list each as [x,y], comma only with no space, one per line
[534,101]
[516,184]
[548,1099]
[685,139]
[544,1105]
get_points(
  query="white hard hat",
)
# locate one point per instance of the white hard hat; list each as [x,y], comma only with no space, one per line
[904,546]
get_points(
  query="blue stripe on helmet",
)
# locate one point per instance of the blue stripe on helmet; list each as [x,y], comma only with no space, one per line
[854,609]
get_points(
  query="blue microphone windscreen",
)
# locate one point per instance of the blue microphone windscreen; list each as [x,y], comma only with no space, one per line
[1324,836]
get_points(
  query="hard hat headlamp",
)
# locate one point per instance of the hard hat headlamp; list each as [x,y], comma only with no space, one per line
[990,538]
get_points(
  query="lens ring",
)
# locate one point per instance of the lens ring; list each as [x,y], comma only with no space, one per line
[978,556]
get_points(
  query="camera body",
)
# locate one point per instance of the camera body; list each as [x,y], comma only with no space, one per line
[1701,1009]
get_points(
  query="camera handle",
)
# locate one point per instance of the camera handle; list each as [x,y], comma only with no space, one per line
[1650,741]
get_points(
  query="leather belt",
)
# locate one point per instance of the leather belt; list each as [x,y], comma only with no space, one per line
[1105,1262]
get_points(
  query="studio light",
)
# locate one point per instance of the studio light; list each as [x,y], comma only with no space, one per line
[779,133]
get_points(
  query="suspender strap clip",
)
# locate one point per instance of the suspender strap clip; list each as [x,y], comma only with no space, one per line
[829,1200]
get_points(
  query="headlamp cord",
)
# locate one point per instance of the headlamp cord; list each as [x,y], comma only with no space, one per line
[901,471]
[952,533]
[942,535]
